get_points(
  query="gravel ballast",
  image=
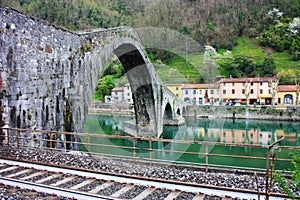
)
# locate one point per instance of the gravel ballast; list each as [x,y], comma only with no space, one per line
[85,161]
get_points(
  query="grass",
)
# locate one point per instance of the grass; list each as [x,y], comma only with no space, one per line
[179,72]
[249,46]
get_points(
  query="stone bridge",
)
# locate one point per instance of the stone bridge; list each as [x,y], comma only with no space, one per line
[48,77]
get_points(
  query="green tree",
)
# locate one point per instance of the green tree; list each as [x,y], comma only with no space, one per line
[268,66]
[104,87]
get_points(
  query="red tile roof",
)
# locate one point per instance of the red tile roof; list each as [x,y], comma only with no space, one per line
[287,88]
[118,89]
[243,80]
[201,86]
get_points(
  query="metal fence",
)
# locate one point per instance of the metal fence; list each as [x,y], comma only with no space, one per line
[208,155]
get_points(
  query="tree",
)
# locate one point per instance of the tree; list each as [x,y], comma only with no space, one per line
[273,85]
[286,77]
[268,66]
[104,87]
[210,70]
[247,92]
[297,83]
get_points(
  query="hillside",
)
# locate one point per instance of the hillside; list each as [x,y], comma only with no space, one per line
[252,37]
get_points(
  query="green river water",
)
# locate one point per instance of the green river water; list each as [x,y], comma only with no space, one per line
[224,131]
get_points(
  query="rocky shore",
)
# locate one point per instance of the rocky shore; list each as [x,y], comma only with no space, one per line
[82,160]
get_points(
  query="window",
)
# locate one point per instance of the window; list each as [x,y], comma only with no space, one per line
[243,91]
[260,91]
[224,84]
[116,93]
[233,91]
[195,92]
[269,91]
[186,99]
[251,83]
[244,84]
[186,92]
[261,83]
[224,91]
[200,91]
[176,95]
[176,88]
[217,91]
[211,91]
[200,101]
[252,91]
[232,84]
[128,94]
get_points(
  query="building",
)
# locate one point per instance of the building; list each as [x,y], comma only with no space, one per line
[117,95]
[234,89]
[122,94]
[200,94]
[287,94]
[176,89]
[128,94]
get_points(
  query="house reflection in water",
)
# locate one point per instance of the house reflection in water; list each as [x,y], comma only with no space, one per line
[237,136]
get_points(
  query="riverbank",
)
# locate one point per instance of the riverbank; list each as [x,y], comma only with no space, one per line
[288,113]
[238,112]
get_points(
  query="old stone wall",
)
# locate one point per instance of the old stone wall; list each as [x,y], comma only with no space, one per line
[36,69]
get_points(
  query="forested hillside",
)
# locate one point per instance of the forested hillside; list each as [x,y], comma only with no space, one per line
[263,36]
[218,22]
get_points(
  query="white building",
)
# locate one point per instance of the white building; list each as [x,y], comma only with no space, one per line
[122,94]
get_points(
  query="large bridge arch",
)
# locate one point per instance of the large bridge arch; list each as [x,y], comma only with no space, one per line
[142,77]
[48,77]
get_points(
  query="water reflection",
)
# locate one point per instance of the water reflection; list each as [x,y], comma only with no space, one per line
[244,131]
[212,130]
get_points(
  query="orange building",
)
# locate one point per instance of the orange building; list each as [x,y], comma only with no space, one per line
[235,89]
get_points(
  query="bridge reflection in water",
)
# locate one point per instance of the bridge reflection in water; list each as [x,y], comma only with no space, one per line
[217,142]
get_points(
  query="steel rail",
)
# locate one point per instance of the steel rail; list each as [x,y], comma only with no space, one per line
[74,194]
[149,181]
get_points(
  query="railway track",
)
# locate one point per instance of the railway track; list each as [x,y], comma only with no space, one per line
[86,184]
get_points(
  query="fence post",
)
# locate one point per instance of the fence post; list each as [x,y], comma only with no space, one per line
[18,138]
[134,149]
[267,192]
[8,137]
[150,151]
[206,157]
[51,141]
[89,143]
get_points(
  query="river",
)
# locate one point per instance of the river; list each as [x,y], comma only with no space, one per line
[225,131]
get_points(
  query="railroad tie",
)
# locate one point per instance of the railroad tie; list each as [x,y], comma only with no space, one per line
[32,175]
[122,190]
[172,195]
[64,181]
[48,178]
[19,173]
[84,183]
[8,169]
[199,196]
[145,193]
[101,187]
